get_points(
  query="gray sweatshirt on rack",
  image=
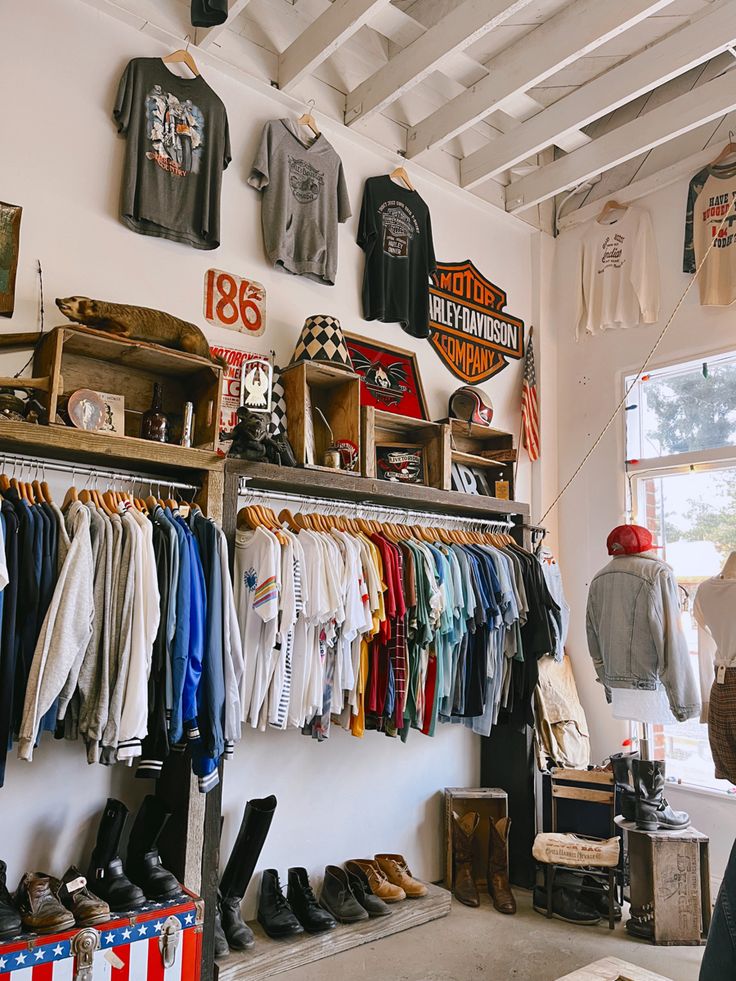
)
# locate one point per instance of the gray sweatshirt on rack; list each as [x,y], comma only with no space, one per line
[65,632]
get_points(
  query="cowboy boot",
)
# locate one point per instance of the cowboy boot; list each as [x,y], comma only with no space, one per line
[621,765]
[143,864]
[463,834]
[652,810]
[239,870]
[106,878]
[498,864]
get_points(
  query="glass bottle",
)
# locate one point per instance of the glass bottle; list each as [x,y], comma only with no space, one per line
[155,423]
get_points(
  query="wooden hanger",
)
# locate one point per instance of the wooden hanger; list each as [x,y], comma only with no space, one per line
[400,174]
[4,483]
[71,495]
[609,207]
[182,57]
[728,151]
[307,119]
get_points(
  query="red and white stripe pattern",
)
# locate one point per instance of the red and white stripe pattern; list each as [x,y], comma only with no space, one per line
[530,404]
[128,952]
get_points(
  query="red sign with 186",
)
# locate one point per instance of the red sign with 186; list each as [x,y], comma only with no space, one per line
[233,302]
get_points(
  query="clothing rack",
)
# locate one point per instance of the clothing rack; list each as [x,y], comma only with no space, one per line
[38,465]
[385,512]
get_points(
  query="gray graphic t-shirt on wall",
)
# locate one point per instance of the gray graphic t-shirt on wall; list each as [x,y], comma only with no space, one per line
[304,198]
[177,148]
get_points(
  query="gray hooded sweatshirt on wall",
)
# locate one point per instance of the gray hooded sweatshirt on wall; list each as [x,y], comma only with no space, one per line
[304,199]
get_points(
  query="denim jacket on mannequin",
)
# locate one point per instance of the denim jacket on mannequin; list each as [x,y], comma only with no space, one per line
[635,637]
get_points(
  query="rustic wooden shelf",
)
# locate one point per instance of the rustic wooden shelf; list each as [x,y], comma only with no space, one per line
[271,957]
[336,483]
[381,428]
[61,443]
[473,460]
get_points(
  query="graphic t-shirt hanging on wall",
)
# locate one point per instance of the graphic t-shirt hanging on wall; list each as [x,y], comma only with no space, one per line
[710,200]
[178,145]
[395,232]
[304,199]
[619,274]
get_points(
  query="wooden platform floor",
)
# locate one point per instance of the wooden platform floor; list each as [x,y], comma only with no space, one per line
[271,957]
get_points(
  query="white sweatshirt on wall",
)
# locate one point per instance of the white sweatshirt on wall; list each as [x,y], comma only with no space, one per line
[618,273]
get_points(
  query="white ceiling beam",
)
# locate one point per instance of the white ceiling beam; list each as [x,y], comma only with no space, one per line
[674,55]
[323,37]
[458,29]
[206,38]
[579,29]
[660,125]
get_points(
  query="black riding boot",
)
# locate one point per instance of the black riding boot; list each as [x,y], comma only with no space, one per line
[239,870]
[652,810]
[621,764]
[106,878]
[143,863]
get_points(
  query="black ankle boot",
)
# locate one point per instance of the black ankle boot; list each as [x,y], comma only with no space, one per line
[143,863]
[239,935]
[304,903]
[106,878]
[621,764]
[274,913]
[10,924]
[221,945]
[652,810]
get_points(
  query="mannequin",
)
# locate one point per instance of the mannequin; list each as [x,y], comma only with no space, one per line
[715,613]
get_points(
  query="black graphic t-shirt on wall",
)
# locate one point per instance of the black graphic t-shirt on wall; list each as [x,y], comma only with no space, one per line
[395,232]
[178,145]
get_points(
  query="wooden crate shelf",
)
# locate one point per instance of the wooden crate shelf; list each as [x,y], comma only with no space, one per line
[140,455]
[272,957]
[347,486]
[335,392]
[381,428]
[476,447]
[74,357]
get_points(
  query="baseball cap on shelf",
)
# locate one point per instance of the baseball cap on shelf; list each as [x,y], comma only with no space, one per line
[630,540]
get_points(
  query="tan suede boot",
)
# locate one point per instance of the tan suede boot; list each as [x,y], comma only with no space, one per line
[463,833]
[396,870]
[380,886]
[498,863]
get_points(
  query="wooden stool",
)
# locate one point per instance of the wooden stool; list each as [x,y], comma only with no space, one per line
[670,883]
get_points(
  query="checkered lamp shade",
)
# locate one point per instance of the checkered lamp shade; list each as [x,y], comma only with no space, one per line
[322,340]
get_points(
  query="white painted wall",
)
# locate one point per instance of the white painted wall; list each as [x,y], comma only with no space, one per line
[590,384]
[61,160]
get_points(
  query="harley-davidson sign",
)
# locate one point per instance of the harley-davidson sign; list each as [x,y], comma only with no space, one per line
[469,328]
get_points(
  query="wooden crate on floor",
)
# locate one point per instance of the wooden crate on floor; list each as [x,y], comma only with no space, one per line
[335,392]
[382,428]
[75,357]
[613,969]
[271,957]
[491,803]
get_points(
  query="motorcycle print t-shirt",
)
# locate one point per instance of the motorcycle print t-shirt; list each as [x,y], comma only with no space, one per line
[177,147]
[304,199]
[395,232]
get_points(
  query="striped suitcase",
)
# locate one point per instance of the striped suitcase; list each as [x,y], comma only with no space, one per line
[160,942]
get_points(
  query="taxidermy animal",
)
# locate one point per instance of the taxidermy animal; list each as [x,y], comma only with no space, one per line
[138,324]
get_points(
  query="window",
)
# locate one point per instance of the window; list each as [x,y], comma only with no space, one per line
[681,450]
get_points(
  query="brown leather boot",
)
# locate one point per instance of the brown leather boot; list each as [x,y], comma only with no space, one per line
[380,886]
[498,864]
[396,870]
[72,891]
[463,833]
[39,908]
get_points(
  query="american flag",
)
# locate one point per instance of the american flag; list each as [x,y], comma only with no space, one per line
[129,951]
[530,404]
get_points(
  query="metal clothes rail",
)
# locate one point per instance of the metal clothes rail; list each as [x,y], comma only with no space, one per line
[37,466]
[328,505]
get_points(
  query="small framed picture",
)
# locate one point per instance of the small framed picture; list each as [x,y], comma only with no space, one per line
[390,378]
[401,463]
[113,419]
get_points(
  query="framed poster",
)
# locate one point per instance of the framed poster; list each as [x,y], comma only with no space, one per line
[247,380]
[233,302]
[390,377]
[9,248]
[401,463]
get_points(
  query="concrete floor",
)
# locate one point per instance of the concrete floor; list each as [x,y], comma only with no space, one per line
[482,945]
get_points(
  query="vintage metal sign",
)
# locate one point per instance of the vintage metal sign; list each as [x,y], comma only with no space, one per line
[233,302]
[469,328]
